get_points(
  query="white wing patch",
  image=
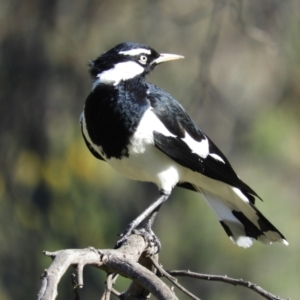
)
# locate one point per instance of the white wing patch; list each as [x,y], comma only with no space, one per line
[217,157]
[240,194]
[121,71]
[134,52]
[144,132]
[200,148]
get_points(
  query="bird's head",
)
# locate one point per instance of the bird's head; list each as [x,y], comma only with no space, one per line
[126,61]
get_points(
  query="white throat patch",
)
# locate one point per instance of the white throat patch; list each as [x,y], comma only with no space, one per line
[121,71]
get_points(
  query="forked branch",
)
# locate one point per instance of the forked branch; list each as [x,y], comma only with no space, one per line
[133,261]
[126,261]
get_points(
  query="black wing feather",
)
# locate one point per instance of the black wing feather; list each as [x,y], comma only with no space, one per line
[177,121]
[172,114]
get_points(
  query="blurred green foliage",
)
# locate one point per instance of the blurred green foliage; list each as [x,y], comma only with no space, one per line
[240,82]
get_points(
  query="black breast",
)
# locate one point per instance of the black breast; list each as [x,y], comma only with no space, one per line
[112,115]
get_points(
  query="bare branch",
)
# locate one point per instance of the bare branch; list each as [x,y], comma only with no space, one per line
[226,279]
[133,261]
[110,281]
[123,261]
[173,280]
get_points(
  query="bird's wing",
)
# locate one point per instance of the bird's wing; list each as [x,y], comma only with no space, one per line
[190,147]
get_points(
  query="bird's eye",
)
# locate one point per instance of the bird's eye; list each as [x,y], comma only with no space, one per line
[143,59]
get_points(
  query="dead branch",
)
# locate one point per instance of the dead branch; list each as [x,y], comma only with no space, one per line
[226,279]
[133,260]
[164,273]
[126,261]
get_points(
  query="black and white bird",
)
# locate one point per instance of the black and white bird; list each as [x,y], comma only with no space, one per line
[145,134]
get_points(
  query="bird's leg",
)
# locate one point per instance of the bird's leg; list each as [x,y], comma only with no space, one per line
[151,218]
[148,233]
[150,212]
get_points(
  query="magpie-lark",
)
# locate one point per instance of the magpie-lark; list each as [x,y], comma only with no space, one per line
[145,134]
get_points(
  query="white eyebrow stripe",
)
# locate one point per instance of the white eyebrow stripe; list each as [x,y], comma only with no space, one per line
[134,52]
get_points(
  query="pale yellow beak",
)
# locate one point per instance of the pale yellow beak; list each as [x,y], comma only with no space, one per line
[166,57]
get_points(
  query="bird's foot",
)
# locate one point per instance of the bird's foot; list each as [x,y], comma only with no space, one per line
[124,236]
[148,235]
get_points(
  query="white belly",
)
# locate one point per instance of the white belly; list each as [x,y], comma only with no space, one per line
[145,161]
[152,166]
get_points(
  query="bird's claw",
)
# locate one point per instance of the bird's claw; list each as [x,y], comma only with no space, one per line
[148,235]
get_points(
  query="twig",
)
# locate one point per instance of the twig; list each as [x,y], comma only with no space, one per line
[75,286]
[172,279]
[116,293]
[226,279]
[110,281]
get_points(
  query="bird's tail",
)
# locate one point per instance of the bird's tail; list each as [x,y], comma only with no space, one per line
[241,220]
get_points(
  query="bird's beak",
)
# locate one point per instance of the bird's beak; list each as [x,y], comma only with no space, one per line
[166,57]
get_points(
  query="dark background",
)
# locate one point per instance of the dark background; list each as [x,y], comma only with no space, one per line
[240,81]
